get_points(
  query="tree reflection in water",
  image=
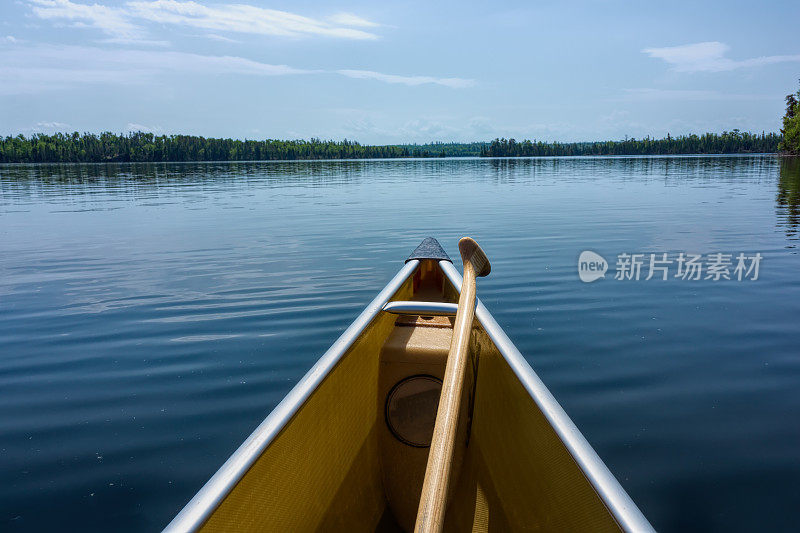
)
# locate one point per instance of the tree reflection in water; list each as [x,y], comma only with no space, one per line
[788,199]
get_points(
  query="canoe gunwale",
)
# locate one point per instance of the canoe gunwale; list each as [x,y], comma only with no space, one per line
[608,488]
[202,505]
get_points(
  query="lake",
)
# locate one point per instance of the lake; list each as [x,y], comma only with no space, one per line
[152,315]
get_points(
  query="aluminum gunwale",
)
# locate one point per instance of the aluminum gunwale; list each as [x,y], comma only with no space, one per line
[619,503]
[200,507]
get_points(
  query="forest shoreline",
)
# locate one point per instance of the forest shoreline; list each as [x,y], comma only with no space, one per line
[146,147]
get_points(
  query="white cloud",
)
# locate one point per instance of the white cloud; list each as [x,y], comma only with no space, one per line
[481,127]
[243,18]
[111,21]
[40,68]
[140,42]
[9,39]
[221,38]
[51,126]
[427,129]
[47,67]
[28,80]
[455,83]
[348,19]
[134,127]
[709,57]
[119,22]
[382,128]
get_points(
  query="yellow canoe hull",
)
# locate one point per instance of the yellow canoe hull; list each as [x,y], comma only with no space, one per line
[326,459]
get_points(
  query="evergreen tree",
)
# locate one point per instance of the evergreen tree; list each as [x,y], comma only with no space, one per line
[791,126]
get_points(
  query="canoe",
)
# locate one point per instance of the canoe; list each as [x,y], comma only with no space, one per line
[346,449]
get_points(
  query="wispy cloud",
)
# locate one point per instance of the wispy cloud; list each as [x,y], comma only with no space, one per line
[125,22]
[220,38]
[138,42]
[9,39]
[134,127]
[51,125]
[349,19]
[358,124]
[455,83]
[46,127]
[710,57]
[110,20]
[244,18]
[46,67]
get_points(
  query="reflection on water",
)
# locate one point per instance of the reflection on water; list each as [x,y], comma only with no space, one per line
[788,198]
[152,315]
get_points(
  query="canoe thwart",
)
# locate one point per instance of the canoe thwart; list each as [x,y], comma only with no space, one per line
[421,308]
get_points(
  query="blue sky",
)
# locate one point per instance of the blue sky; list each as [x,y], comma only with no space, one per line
[381,72]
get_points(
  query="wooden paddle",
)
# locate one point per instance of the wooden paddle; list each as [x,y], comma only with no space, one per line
[430,516]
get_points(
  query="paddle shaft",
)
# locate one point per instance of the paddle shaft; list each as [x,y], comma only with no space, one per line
[430,516]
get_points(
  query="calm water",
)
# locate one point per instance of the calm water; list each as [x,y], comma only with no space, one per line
[151,316]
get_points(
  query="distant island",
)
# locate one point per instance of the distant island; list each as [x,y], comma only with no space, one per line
[147,147]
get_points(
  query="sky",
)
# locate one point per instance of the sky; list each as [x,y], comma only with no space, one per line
[397,72]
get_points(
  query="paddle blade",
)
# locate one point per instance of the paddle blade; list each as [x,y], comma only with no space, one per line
[472,253]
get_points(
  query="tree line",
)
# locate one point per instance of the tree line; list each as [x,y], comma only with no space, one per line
[733,142]
[147,147]
[140,146]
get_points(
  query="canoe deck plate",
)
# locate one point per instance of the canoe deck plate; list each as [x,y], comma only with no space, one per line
[429,249]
